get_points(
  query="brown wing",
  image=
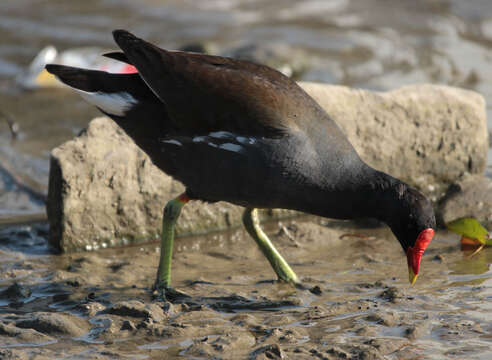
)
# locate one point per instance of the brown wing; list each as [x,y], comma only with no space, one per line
[206,93]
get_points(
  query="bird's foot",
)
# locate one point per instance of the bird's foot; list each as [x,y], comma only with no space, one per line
[316,290]
[287,275]
[167,293]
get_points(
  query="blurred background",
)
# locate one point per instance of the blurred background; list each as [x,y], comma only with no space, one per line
[371,44]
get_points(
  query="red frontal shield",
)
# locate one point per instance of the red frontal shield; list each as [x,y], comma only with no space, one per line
[414,255]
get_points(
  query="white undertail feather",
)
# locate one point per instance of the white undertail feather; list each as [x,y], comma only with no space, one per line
[112,103]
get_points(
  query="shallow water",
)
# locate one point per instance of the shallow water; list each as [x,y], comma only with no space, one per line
[372,44]
[366,308]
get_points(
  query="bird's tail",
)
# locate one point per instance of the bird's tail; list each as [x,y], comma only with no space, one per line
[123,97]
[113,94]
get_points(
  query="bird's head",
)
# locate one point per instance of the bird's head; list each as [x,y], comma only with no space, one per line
[413,225]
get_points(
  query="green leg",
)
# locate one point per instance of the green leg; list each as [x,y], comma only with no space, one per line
[172,210]
[279,265]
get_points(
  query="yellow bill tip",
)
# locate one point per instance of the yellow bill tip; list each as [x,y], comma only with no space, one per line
[411,276]
[44,78]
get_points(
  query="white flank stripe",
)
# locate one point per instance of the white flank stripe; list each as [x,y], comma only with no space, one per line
[199,139]
[175,142]
[220,134]
[112,103]
[245,140]
[231,147]
[212,144]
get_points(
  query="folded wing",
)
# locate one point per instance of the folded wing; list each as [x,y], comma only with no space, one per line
[205,93]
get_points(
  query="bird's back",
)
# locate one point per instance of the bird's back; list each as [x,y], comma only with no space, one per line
[228,129]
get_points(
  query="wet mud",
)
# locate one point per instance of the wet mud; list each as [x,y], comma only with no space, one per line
[100,305]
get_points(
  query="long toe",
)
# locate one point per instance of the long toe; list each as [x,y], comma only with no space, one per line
[167,293]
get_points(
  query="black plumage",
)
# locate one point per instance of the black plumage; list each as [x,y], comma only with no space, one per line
[244,133]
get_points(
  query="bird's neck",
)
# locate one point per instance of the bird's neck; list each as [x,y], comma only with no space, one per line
[382,196]
[372,194]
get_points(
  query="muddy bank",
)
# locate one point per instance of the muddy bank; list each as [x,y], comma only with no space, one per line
[99,305]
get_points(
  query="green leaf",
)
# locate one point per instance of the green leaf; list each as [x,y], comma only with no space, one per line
[470,228]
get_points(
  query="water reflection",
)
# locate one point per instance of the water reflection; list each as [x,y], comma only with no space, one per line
[472,269]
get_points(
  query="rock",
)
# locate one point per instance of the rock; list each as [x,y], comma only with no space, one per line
[367,353]
[104,191]
[128,325]
[90,309]
[386,319]
[101,197]
[426,135]
[339,353]
[417,330]
[12,335]
[10,354]
[244,319]
[392,294]
[271,351]
[54,324]
[233,343]
[15,292]
[470,196]
[367,331]
[386,346]
[137,309]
